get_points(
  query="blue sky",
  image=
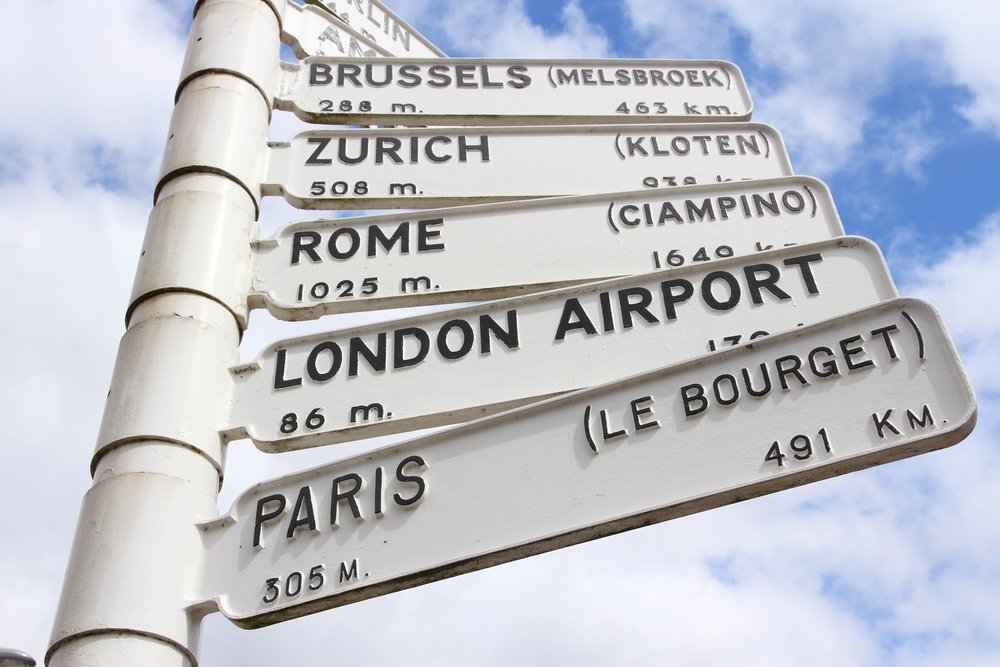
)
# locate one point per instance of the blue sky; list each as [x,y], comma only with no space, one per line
[895,104]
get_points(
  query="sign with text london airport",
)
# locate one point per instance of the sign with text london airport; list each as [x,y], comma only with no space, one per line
[383,26]
[455,365]
[309,269]
[393,168]
[512,92]
[867,388]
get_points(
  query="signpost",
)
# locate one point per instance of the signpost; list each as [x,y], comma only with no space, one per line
[863,389]
[750,394]
[383,26]
[455,365]
[491,91]
[489,251]
[393,168]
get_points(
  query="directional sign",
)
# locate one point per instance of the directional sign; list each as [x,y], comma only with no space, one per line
[456,365]
[314,31]
[863,389]
[465,91]
[392,168]
[383,26]
[490,251]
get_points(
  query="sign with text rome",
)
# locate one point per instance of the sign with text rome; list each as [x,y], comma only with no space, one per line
[476,91]
[455,365]
[867,388]
[395,168]
[313,268]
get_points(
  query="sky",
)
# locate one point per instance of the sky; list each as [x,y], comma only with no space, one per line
[894,104]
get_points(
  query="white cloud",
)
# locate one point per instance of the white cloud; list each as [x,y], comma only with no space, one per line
[89,89]
[819,68]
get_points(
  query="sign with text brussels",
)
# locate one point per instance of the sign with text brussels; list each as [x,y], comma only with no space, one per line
[313,268]
[393,168]
[867,388]
[476,91]
[455,365]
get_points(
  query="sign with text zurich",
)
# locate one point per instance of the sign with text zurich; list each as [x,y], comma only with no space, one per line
[470,253]
[467,91]
[417,168]
[455,365]
[863,389]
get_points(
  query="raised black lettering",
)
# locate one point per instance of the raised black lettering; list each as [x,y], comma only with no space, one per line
[304,513]
[884,333]
[464,148]
[850,352]
[923,421]
[376,358]
[671,298]
[490,329]
[574,317]
[404,478]
[348,495]
[793,369]
[765,390]
[319,74]
[465,345]
[639,410]
[321,144]
[312,367]
[804,262]
[261,516]
[882,423]
[349,73]
[399,359]
[280,381]
[425,234]
[640,306]
[377,237]
[755,283]
[693,395]
[709,296]
[305,242]
[828,367]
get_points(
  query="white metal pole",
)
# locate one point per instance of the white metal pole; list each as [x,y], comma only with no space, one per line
[128,597]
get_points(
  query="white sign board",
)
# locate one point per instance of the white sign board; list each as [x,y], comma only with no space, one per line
[383,26]
[314,31]
[489,251]
[394,168]
[472,91]
[863,389]
[455,365]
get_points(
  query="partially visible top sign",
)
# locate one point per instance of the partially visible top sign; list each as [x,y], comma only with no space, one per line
[418,168]
[871,387]
[469,253]
[383,26]
[464,91]
[314,31]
